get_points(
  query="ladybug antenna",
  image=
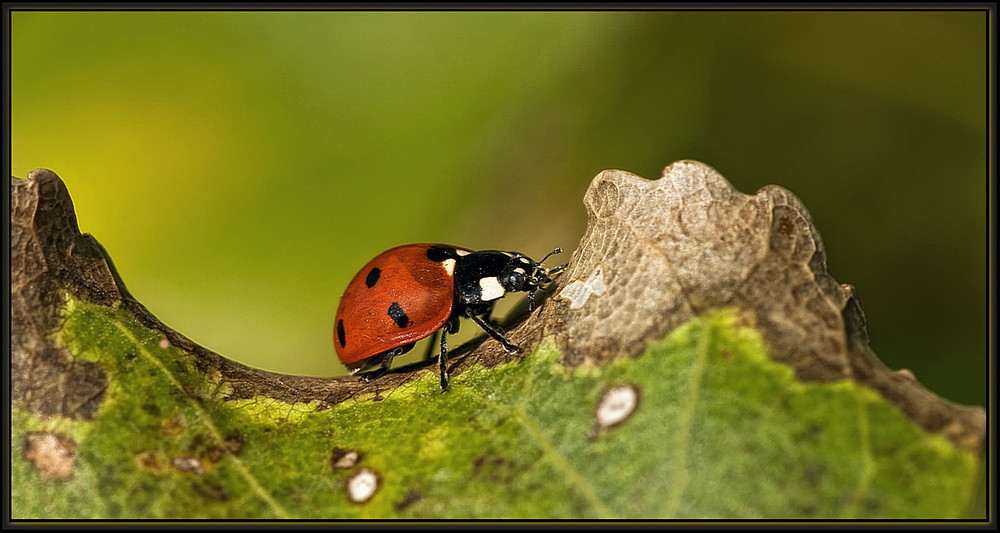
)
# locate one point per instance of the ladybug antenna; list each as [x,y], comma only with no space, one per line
[540,276]
[557,269]
[553,252]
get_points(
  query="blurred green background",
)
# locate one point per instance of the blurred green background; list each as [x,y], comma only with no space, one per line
[240,167]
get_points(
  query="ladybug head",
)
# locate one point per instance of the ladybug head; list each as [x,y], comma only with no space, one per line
[523,274]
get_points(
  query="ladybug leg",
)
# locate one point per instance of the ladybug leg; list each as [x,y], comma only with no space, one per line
[488,317]
[442,358]
[377,373]
[450,327]
[489,329]
[384,361]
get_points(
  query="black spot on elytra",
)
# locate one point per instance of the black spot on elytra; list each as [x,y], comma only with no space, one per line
[440,253]
[397,315]
[373,276]
[340,333]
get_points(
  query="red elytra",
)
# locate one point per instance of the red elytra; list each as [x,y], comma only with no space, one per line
[400,278]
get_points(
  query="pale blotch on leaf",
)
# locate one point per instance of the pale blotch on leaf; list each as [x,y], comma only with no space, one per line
[53,455]
[164,343]
[362,486]
[188,464]
[578,292]
[616,405]
[343,459]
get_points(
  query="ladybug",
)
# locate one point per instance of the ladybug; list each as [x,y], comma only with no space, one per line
[410,292]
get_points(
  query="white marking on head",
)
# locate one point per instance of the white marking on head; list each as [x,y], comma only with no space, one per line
[462,252]
[579,292]
[490,289]
[449,266]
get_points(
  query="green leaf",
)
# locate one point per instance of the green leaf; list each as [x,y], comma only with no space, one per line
[719,430]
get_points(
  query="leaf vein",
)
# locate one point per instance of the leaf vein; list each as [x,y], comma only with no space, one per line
[553,455]
[559,461]
[867,461]
[254,483]
[683,441]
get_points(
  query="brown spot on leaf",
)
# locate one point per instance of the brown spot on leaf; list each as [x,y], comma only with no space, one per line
[234,443]
[154,462]
[494,468]
[198,441]
[52,454]
[485,460]
[412,497]
[213,454]
[210,490]
[173,425]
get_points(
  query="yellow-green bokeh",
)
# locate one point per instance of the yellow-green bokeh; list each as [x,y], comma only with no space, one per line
[241,166]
